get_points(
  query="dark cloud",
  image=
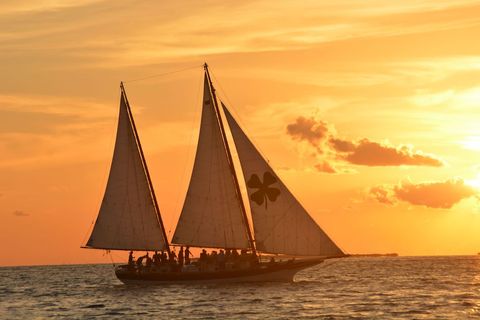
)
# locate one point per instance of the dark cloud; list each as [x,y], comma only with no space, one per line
[341,145]
[382,195]
[370,153]
[362,152]
[308,130]
[325,167]
[435,194]
[443,194]
[20,213]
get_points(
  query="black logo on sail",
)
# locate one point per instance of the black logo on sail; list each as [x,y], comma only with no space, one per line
[264,191]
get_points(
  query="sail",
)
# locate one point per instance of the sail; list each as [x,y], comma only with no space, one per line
[281,224]
[211,214]
[127,219]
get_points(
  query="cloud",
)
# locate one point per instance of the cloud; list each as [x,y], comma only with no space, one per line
[308,130]
[382,195]
[443,194]
[20,213]
[342,145]
[362,152]
[370,153]
[325,167]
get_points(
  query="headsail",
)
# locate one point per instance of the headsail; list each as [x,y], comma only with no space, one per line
[211,215]
[280,222]
[128,217]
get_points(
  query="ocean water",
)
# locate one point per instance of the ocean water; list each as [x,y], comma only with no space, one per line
[352,288]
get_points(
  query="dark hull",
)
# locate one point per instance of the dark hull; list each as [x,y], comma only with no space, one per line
[283,272]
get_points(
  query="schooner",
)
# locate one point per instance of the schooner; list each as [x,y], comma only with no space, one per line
[214,213]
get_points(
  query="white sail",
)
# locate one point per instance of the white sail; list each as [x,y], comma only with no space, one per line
[127,219]
[211,215]
[281,224]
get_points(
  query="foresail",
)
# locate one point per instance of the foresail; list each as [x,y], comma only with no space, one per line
[211,215]
[127,219]
[280,223]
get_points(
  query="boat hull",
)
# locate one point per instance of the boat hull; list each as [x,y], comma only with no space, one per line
[278,272]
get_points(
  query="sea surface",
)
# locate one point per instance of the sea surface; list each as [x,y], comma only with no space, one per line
[351,288]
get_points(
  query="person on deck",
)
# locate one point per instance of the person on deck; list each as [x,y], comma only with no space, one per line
[272,260]
[171,257]
[187,256]
[203,260]
[180,258]
[148,261]
[156,258]
[163,257]
[131,259]
[212,261]
[221,260]
[139,263]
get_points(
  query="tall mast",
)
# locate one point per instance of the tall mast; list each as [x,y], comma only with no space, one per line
[150,185]
[230,160]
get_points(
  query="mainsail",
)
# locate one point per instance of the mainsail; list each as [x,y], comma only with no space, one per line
[129,218]
[281,224]
[211,214]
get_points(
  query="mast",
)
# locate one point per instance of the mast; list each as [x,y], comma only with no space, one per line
[230,160]
[142,156]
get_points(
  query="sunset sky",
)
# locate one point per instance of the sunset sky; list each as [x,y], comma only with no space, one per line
[369,113]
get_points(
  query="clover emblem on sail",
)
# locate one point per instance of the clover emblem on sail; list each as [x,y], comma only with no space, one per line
[264,191]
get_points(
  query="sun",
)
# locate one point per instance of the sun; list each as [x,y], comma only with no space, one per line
[475,182]
[471,142]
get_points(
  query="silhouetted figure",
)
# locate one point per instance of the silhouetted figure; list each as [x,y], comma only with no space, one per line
[180,258]
[187,255]
[156,258]
[148,261]
[203,260]
[221,260]
[131,259]
[272,261]
[171,257]
[212,261]
[163,257]
[139,263]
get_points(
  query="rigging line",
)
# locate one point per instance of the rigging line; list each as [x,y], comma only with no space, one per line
[191,149]
[239,119]
[162,74]
[109,254]
[101,182]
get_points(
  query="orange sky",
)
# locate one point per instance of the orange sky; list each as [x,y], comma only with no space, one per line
[369,113]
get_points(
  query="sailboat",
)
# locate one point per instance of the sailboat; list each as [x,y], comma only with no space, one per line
[214,213]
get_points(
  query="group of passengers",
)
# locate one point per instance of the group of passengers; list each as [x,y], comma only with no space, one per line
[169,261]
[163,259]
[227,260]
